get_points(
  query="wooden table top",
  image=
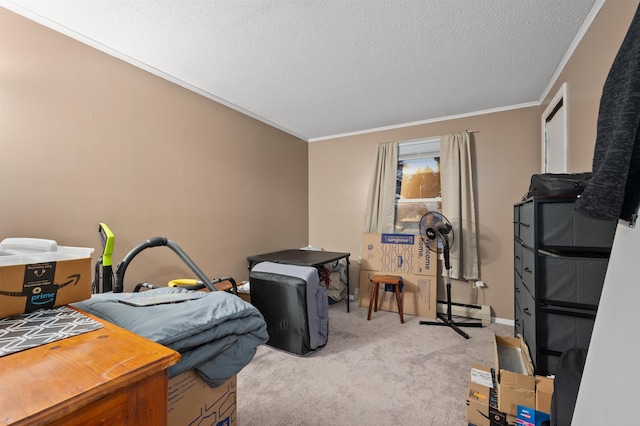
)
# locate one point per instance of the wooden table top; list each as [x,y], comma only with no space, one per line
[53,380]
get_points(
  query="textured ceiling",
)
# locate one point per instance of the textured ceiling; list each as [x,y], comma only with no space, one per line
[318,69]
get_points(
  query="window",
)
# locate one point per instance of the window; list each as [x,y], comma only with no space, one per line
[418,183]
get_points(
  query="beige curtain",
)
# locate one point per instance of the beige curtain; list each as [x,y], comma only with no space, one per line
[458,203]
[380,210]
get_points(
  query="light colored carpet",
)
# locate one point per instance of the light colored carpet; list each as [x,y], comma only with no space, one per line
[377,372]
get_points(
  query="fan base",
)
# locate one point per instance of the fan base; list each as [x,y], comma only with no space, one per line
[454,325]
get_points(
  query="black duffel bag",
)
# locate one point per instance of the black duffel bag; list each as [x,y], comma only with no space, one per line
[557,184]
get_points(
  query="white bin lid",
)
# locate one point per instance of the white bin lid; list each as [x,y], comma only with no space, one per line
[23,251]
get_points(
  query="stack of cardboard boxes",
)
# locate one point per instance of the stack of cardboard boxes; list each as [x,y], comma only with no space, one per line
[510,393]
[408,256]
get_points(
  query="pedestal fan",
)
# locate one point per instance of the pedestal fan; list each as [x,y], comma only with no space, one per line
[438,233]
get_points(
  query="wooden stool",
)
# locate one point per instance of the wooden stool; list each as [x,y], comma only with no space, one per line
[376,280]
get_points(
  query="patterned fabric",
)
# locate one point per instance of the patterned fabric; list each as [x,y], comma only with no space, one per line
[614,189]
[26,331]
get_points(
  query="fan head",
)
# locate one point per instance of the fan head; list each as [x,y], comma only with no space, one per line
[436,230]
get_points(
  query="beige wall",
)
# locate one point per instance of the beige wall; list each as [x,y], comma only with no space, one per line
[585,74]
[87,138]
[507,151]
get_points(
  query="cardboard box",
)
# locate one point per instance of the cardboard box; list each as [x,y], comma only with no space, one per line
[516,382]
[478,404]
[192,401]
[478,398]
[405,255]
[32,281]
[498,418]
[397,254]
[478,412]
[530,417]
[544,393]
[515,389]
[418,295]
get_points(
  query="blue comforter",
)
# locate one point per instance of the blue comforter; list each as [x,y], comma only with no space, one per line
[216,335]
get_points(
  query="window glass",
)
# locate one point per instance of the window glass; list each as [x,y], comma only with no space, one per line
[417,190]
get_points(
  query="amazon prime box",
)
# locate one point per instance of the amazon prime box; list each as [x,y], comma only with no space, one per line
[32,279]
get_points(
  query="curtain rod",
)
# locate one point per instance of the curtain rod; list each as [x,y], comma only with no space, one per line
[472,131]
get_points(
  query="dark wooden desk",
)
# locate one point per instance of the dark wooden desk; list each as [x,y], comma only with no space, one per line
[314,258]
[107,376]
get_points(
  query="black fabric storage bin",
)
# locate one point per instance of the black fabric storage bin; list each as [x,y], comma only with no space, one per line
[547,364]
[529,269]
[576,280]
[517,256]
[559,332]
[560,226]
[526,228]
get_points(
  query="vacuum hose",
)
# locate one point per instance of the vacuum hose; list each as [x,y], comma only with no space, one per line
[157,242]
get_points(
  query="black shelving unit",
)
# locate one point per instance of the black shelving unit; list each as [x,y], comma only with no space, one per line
[560,261]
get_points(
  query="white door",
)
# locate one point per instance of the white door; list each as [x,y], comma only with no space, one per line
[554,134]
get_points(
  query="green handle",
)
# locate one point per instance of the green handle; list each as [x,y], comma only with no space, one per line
[107,238]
